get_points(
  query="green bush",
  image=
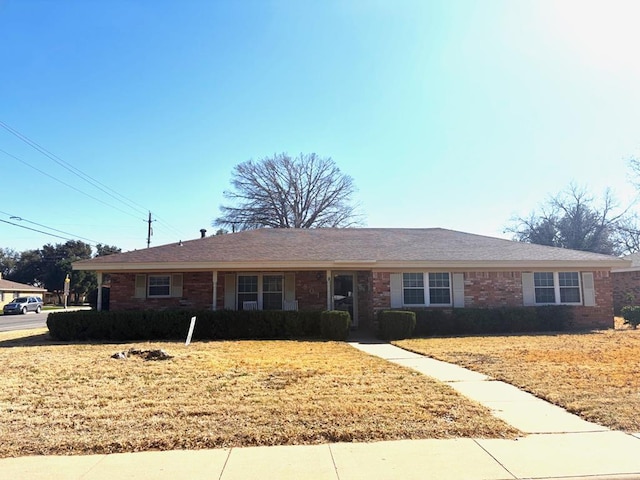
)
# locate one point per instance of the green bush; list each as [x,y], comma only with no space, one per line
[174,324]
[335,324]
[433,322]
[396,324]
[474,321]
[631,315]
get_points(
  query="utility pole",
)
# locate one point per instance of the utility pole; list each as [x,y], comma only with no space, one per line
[149,231]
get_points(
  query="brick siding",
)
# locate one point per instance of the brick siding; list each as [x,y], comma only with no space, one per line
[626,289]
[481,290]
[492,289]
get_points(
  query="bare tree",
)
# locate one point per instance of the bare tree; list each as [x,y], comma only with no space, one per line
[573,219]
[283,192]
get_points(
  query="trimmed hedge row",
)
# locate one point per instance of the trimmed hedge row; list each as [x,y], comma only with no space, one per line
[335,325]
[396,324]
[210,325]
[462,321]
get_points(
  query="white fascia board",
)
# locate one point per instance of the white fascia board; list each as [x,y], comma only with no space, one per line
[625,270]
[357,265]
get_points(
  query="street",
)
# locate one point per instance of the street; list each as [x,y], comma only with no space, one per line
[23,322]
[28,321]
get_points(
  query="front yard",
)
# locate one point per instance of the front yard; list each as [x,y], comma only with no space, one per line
[74,398]
[595,375]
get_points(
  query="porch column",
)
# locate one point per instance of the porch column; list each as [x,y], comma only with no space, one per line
[329,297]
[215,290]
[99,305]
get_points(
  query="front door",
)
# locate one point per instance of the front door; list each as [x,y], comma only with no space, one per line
[345,296]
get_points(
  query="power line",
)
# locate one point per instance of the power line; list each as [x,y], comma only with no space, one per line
[16,217]
[76,171]
[66,165]
[35,230]
[67,185]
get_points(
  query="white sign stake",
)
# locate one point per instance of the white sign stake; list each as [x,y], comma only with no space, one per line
[191,327]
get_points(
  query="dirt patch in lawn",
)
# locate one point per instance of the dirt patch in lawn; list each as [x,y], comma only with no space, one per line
[595,375]
[75,398]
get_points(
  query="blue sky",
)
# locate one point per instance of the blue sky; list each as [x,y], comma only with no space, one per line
[455,114]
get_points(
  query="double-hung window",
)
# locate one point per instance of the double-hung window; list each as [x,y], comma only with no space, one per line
[272,292]
[413,288]
[159,286]
[247,289]
[557,287]
[266,290]
[420,289]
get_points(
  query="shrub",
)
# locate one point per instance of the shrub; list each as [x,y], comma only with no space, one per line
[174,324]
[631,315]
[396,324]
[473,321]
[552,318]
[433,322]
[335,324]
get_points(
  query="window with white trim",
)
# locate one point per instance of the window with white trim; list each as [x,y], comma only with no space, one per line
[272,292]
[439,289]
[247,289]
[557,287]
[159,286]
[433,288]
[266,290]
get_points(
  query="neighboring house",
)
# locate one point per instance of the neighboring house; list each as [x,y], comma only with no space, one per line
[626,283]
[360,270]
[10,290]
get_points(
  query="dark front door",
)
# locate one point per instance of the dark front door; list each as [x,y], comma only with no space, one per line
[344,295]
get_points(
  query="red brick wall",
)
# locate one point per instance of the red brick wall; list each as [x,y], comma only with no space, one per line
[381,288]
[626,289]
[482,289]
[600,316]
[311,290]
[197,292]
[504,289]
[492,289]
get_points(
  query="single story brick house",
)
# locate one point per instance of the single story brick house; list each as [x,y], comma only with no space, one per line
[626,283]
[361,270]
[10,290]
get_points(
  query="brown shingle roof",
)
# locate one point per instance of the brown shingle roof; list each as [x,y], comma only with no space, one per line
[9,286]
[353,245]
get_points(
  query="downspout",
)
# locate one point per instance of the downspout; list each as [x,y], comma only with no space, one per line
[99,305]
[215,290]
[329,295]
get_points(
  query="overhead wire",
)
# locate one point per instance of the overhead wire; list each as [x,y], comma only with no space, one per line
[19,218]
[67,185]
[87,178]
[34,230]
[76,171]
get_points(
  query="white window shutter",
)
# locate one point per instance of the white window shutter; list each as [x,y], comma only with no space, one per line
[176,285]
[141,286]
[588,289]
[528,289]
[458,290]
[289,287]
[230,291]
[396,290]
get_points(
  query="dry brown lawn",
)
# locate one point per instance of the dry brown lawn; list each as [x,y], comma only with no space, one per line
[74,398]
[595,375]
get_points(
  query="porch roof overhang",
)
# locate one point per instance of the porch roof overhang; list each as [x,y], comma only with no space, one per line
[372,265]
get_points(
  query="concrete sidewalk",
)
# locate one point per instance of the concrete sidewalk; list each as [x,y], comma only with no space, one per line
[557,445]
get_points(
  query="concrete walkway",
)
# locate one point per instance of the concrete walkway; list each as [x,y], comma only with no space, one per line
[557,445]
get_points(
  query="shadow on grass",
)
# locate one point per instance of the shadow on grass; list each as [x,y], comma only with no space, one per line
[41,339]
